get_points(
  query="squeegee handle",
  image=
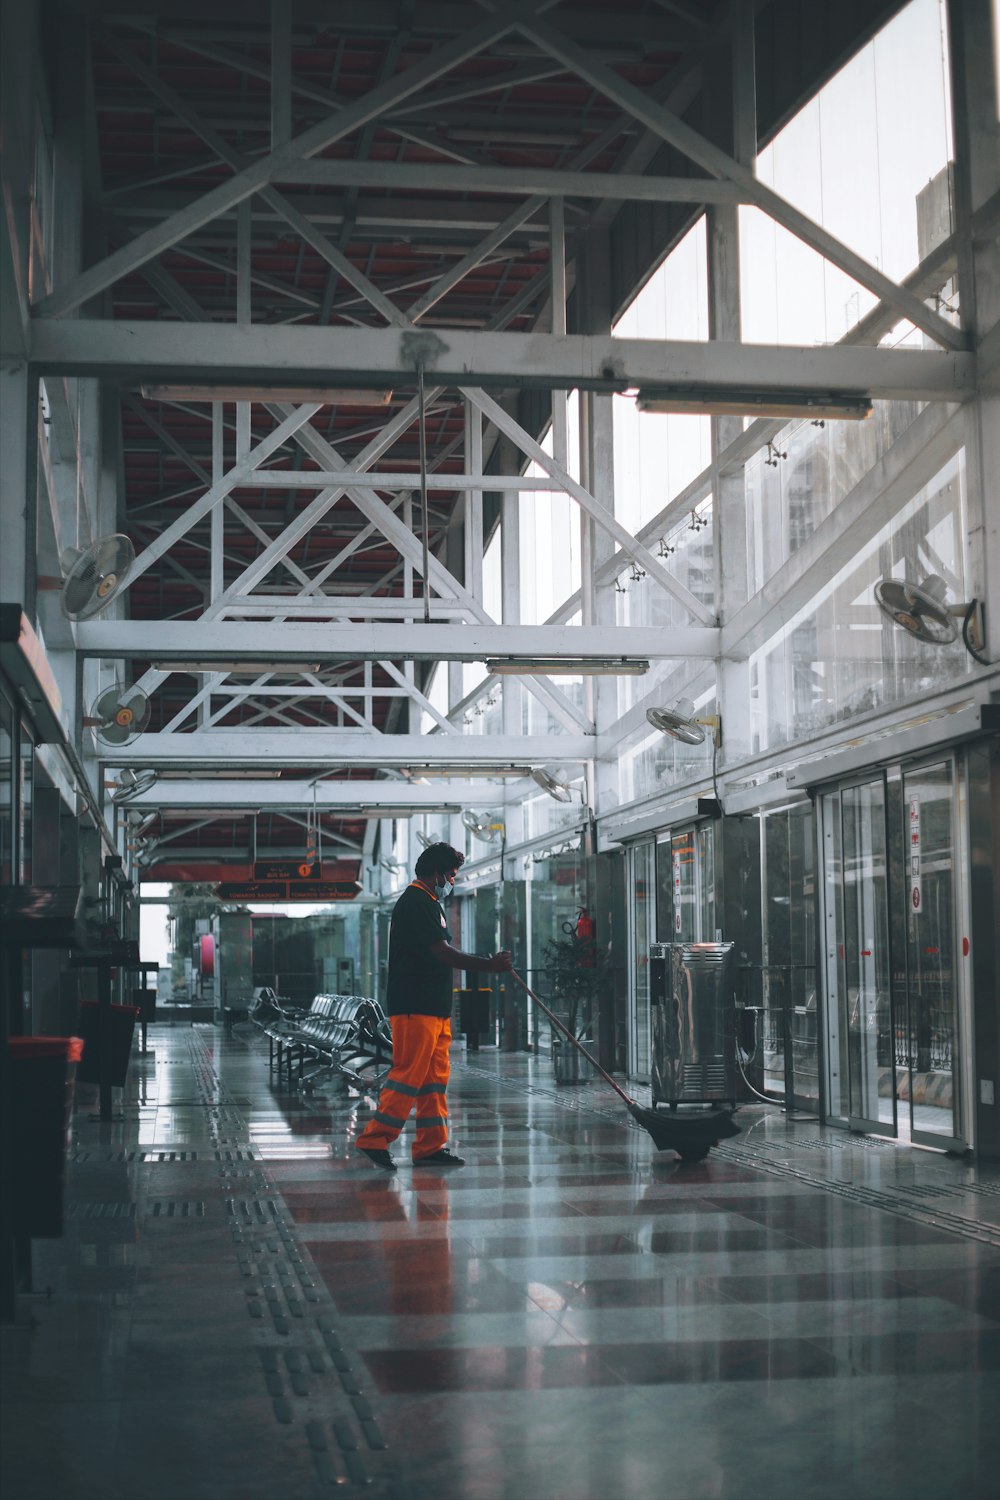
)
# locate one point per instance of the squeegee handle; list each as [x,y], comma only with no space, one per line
[561,1026]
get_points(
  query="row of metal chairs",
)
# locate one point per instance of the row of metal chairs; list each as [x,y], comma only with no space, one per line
[339,1036]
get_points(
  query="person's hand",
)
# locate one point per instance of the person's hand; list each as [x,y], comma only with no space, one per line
[501,963]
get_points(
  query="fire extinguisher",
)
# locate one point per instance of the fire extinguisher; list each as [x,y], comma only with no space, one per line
[584,926]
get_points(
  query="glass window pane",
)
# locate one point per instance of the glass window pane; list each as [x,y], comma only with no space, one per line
[643,925]
[840,656]
[6,792]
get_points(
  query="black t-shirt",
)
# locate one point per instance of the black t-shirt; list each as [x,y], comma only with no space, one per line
[418,983]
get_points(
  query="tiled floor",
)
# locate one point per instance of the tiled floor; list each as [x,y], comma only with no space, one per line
[242,1307]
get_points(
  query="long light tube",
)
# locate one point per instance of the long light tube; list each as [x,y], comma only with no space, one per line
[593,666]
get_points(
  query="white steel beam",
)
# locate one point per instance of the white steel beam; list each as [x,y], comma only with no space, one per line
[235,159]
[339,606]
[270,356]
[516,181]
[333,748]
[597,512]
[709,156]
[217,493]
[314,479]
[256,177]
[326,796]
[403,539]
[231,640]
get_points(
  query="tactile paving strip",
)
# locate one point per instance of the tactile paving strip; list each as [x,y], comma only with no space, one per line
[314,1381]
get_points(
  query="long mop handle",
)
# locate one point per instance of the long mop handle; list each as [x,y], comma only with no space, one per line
[561,1026]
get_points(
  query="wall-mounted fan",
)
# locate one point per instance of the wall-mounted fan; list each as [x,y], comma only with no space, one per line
[920,609]
[93,577]
[132,784]
[483,826]
[119,716]
[425,840]
[550,782]
[680,723]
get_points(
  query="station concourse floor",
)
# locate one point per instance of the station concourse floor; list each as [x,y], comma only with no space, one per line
[241,1306]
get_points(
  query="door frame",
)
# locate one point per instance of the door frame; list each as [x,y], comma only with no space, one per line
[893,777]
[830,927]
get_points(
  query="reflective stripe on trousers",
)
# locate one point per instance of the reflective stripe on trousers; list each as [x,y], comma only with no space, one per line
[420,1069]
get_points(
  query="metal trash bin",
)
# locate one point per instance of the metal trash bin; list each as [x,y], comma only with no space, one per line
[474,1015]
[693,1005]
[123,1019]
[42,1076]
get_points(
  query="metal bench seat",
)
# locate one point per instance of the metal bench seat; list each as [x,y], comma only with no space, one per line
[343,1036]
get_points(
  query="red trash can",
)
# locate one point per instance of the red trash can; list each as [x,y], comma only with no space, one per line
[42,1071]
[123,1019]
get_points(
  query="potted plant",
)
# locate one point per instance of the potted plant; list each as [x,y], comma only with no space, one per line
[576,972]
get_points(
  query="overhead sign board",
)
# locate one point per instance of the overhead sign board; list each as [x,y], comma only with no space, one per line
[287,890]
[288,869]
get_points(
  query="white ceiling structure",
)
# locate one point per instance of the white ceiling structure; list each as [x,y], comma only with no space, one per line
[320,277]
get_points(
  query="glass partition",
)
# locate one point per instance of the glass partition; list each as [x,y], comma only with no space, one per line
[840,656]
[897,120]
[789,952]
[642,926]
[555,891]
[7,785]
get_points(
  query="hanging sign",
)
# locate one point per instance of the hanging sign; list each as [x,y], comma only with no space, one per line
[288,890]
[677,892]
[287,869]
[913,854]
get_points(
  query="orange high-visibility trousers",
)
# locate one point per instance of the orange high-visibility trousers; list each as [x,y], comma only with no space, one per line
[421,1066]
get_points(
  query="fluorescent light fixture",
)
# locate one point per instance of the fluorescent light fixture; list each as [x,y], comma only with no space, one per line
[397,810]
[716,401]
[237,668]
[591,666]
[328,395]
[213,814]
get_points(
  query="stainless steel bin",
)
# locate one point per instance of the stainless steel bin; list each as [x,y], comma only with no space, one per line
[693,1005]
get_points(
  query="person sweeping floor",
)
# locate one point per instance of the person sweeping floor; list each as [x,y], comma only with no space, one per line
[418,1002]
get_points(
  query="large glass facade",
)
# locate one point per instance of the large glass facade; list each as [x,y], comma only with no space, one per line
[795,482]
[839,656]
[889,108]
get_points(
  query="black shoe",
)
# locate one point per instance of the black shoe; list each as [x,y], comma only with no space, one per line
[378,1158]
[440,1158]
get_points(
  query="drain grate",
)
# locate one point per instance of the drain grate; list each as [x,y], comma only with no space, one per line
[176,1210]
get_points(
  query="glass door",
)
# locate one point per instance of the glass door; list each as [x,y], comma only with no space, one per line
[890,954]
[927,1041]
[857,958]
[642,925]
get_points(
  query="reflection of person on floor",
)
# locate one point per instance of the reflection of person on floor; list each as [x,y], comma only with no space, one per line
[418,1000]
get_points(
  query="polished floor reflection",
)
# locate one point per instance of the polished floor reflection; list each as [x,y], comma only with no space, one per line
[243,1307]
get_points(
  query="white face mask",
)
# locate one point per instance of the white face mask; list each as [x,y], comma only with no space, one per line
[445,887]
